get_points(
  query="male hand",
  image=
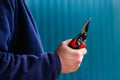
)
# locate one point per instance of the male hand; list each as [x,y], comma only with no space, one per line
[70,58]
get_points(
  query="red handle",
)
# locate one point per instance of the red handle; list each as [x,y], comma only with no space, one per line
[82,45]
[73,44]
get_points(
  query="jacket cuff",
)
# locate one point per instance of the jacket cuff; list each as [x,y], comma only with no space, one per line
[56,63]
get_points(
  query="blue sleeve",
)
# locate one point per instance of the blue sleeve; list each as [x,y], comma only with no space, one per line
[22,67]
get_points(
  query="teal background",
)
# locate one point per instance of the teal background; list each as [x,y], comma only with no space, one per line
[58,20]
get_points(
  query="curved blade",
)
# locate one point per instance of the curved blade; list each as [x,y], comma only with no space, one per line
[85,26]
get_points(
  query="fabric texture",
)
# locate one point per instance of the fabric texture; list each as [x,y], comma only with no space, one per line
[21,53]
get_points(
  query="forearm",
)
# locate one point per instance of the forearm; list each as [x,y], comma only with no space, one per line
[29,67]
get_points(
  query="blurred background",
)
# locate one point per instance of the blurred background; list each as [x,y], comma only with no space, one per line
[58,20]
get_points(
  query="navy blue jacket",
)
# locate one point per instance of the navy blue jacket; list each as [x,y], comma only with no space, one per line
[21,53]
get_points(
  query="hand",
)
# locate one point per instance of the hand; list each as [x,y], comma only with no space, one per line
[70,58]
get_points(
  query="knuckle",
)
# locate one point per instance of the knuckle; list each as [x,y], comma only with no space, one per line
[84,51]
[77,55]
[79,61]
[62,44]
[80,52]
[75,68]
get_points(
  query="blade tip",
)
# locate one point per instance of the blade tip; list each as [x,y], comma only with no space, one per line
[90,18]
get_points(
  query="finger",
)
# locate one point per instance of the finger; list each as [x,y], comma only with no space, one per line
[81,58]
[83,51]
[75,67]
[67,41]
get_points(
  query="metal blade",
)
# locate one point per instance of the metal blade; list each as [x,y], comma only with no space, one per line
[85,26]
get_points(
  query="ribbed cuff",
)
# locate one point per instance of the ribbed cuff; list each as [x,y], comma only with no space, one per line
[56,63]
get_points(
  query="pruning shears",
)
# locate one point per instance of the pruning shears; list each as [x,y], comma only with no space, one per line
[79,41]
